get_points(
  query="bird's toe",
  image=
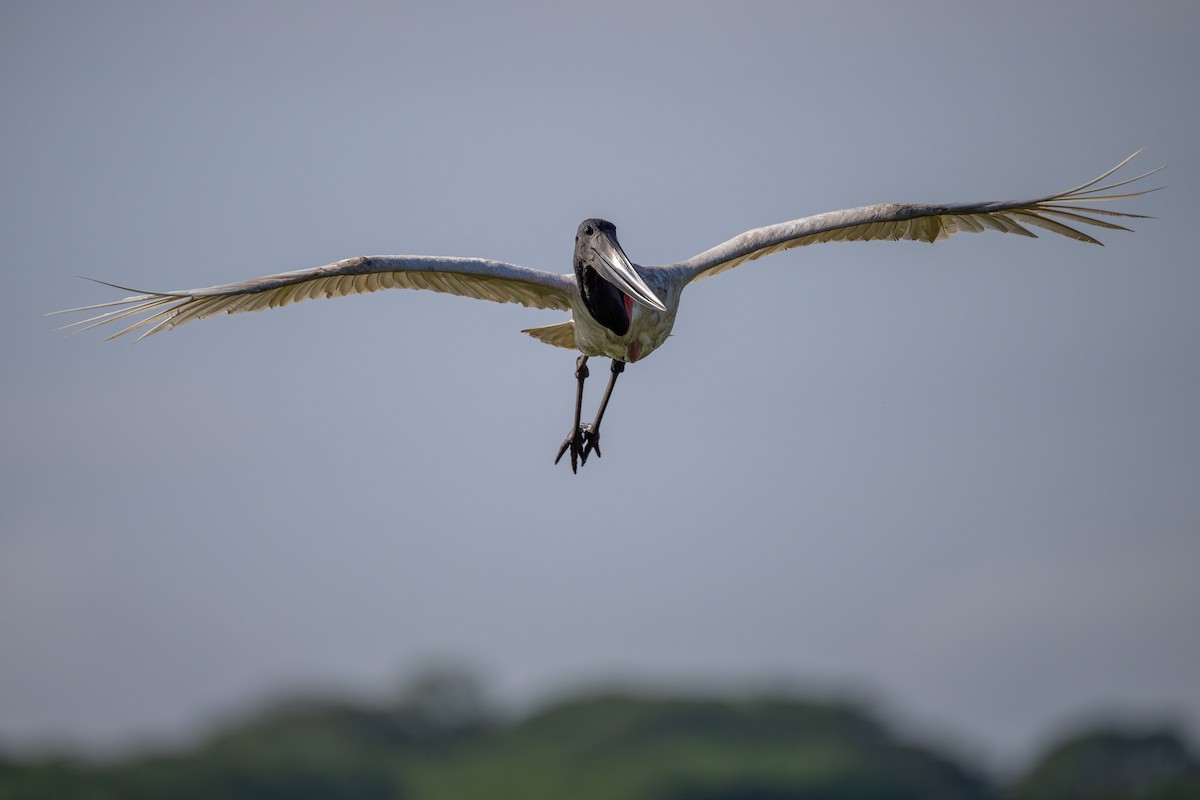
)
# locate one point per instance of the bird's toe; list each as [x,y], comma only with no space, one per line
[591,441]
[574,443]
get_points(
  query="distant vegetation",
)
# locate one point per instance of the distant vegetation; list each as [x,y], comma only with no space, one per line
[439,741]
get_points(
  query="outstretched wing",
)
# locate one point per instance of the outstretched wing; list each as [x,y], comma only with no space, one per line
[924,223]
[469,277]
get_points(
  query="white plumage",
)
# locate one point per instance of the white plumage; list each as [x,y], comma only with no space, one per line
[650,294]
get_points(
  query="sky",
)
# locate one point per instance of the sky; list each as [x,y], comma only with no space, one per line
[960,480]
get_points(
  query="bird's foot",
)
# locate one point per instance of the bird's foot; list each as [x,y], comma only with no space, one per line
[575,442]
[581,443]
[591,441]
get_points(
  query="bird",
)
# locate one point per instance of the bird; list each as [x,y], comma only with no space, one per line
[619,309]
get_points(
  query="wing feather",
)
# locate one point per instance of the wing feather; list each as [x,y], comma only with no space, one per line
[925,223]
[1058,211]
[1046,223]
[468,277]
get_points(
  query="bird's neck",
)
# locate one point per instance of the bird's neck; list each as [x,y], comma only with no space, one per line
[607,304]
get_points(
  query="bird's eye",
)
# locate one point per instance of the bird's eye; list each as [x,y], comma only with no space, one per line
[588,231]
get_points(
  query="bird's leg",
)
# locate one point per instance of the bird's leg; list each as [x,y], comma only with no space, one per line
[591,434]
[574,439]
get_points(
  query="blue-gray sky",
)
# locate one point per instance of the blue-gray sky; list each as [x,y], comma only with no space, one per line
[963,478]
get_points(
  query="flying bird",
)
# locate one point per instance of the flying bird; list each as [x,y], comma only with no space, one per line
[619,309]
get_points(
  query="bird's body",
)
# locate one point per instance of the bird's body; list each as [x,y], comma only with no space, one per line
[648,330]
[608,322]
[619,310]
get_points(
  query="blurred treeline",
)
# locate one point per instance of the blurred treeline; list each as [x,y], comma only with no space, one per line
[438,740]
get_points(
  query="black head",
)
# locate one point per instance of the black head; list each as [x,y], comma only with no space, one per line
[590,228]
[604,301]
[607,278]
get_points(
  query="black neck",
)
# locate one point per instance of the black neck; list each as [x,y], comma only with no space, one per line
[605,302]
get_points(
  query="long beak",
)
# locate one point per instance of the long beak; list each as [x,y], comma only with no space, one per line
[615,267]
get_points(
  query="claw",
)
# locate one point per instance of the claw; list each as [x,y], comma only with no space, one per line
[583,439]
[575,443]
[591,441]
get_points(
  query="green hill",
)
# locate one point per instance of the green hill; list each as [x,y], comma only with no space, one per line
[441,745]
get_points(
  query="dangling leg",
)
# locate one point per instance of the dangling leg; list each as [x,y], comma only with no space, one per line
[574,439]
[591,434]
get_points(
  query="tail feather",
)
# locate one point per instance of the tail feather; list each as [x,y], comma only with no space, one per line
[560,335]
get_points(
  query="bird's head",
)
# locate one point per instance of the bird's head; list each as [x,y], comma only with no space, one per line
[597,248]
